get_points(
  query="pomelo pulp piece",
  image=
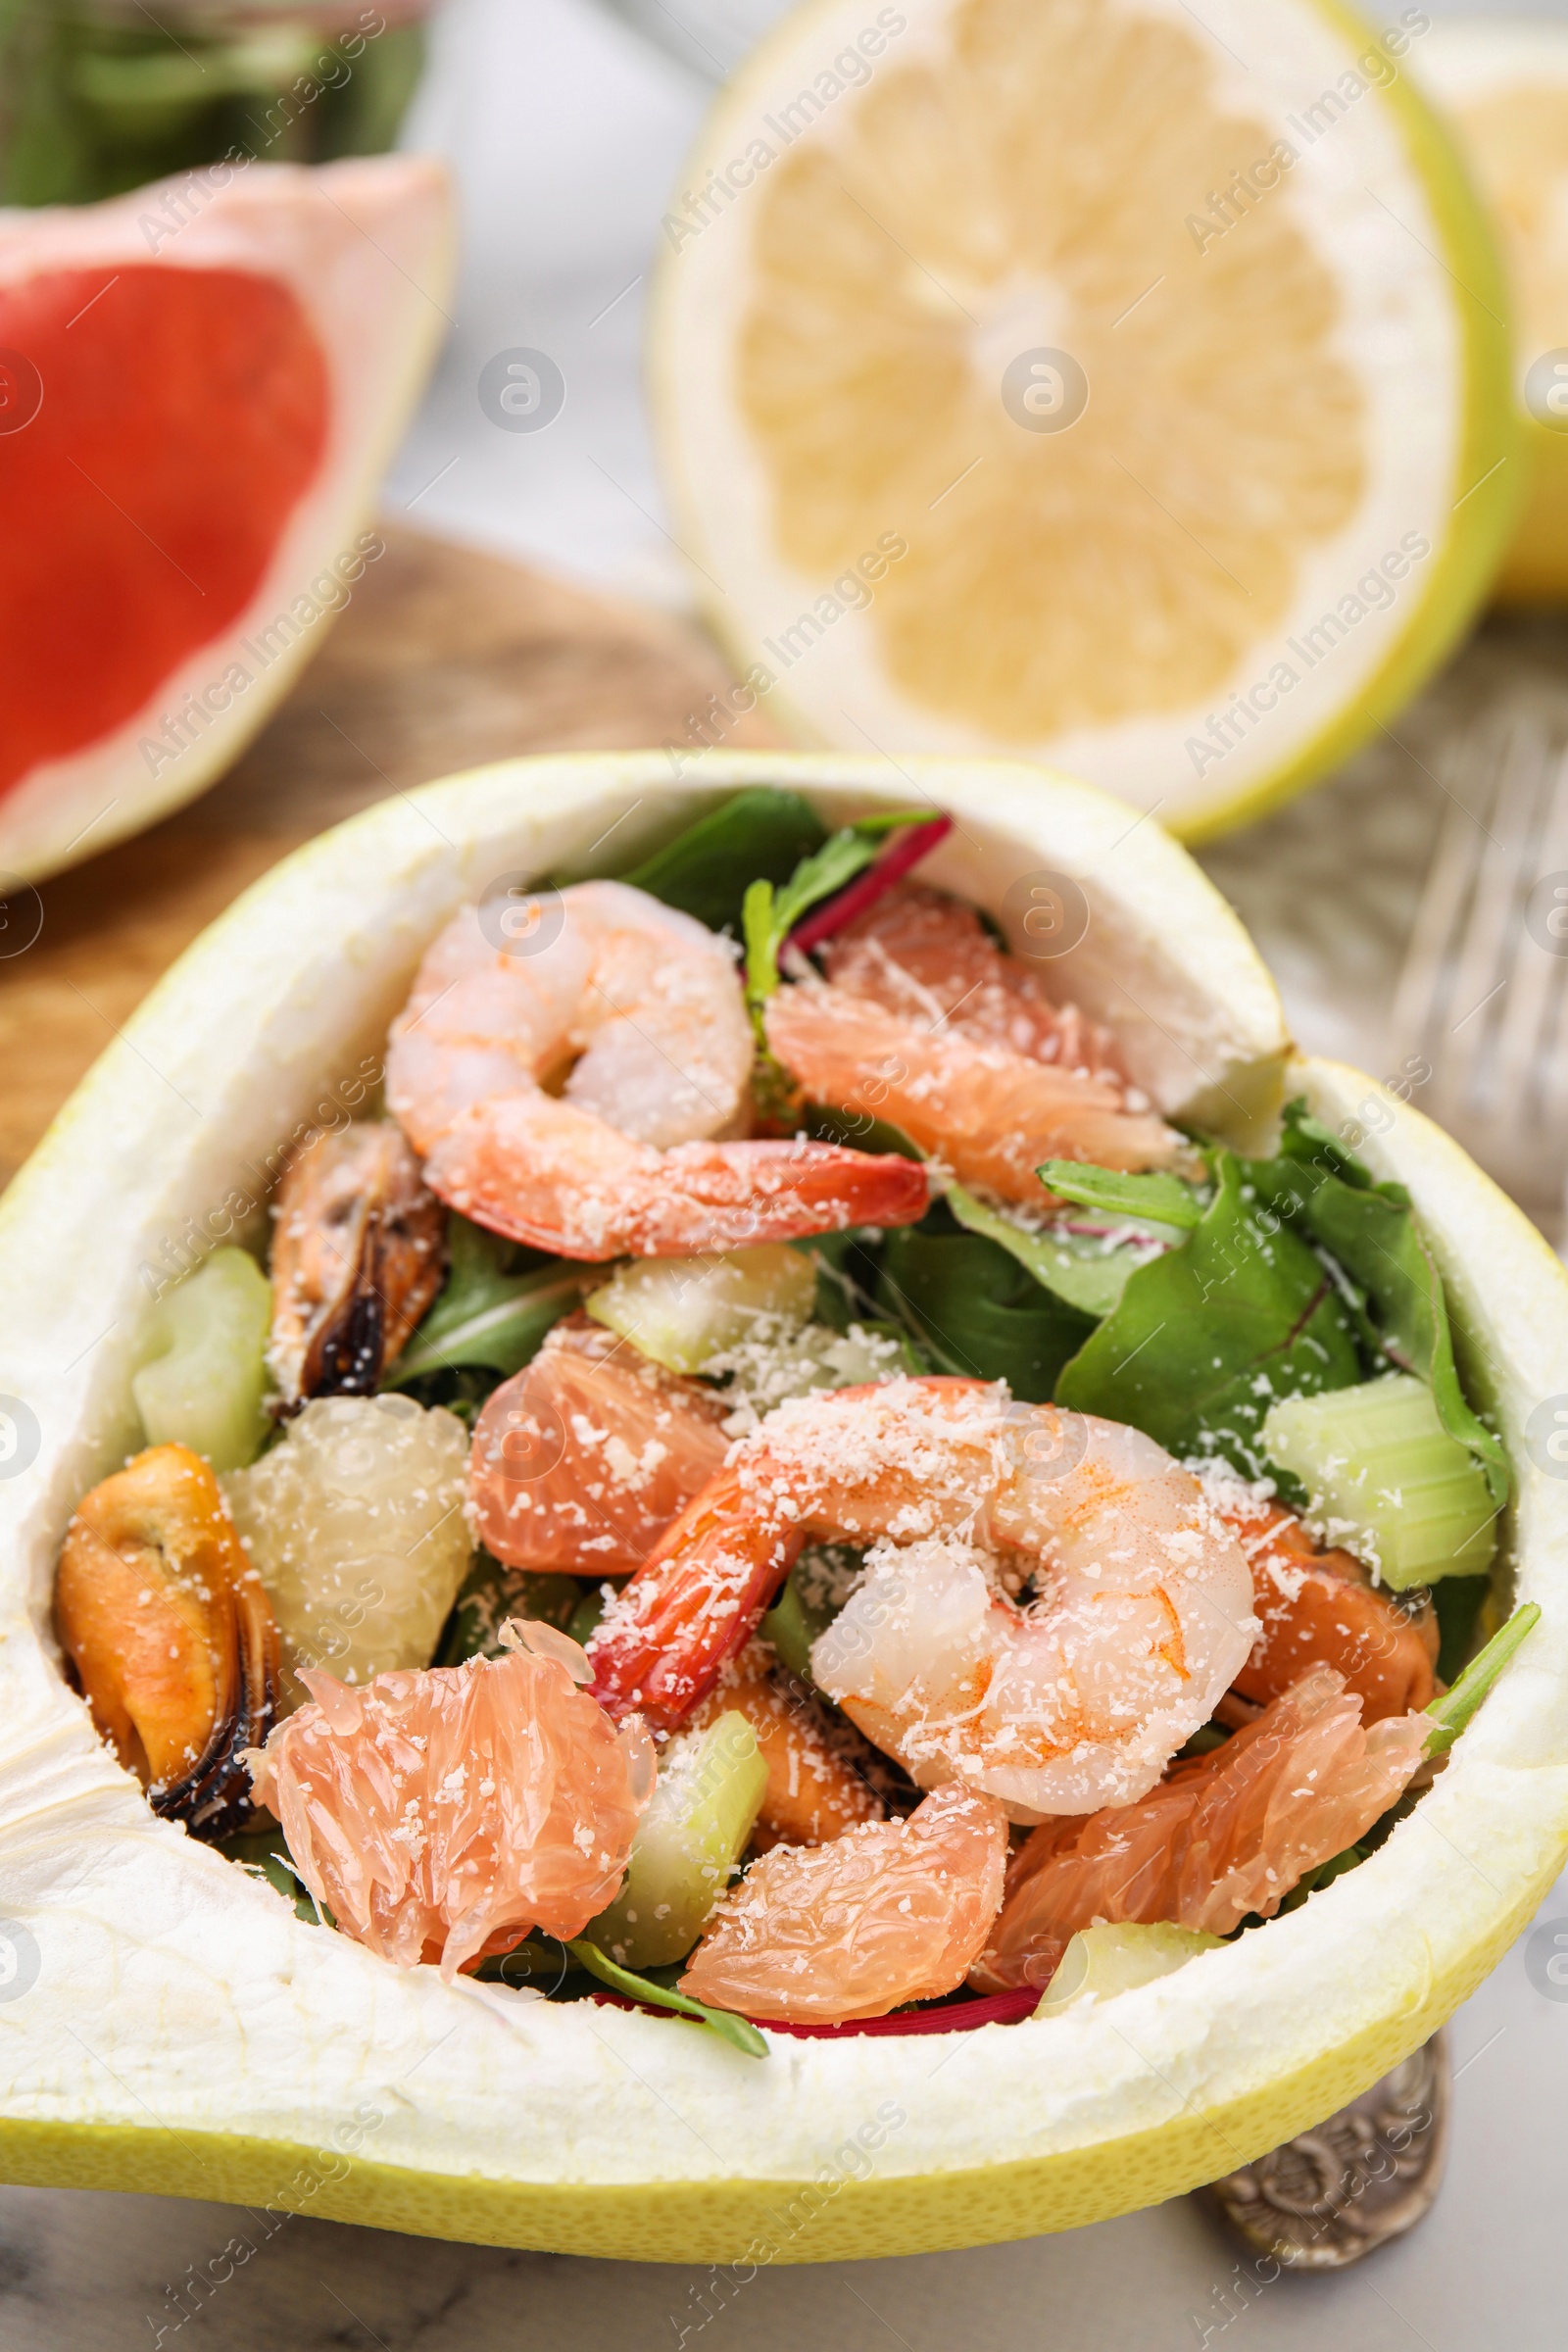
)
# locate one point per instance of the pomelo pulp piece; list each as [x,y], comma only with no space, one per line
[1106,381]
[1504,89]
[200,386]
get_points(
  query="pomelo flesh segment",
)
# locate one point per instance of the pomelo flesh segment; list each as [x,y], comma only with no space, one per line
[581,1459]
[184,414]
[442,1812]
[1223,1835]
[892,1911]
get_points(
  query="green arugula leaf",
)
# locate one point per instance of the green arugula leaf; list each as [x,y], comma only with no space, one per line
[1458,1602]
[825,1125]
[265,1854]
[738,2031]
[1370,1231]
[1454,1709]
[485,1316]
[974,1310]
[1205,1338]
[1078,1268]
[769,913]
[1163,1200]
[762,832]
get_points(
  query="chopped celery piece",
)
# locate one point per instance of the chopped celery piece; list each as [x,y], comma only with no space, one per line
[1452,1711]
[682,1310]
[207,1375]
[1104,1960]
[737,2031]
[709,1792]
[1383,1478]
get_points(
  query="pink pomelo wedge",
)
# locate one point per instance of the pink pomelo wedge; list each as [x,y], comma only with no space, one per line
[200,387]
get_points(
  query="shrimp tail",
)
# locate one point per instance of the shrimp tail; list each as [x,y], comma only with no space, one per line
[692,1606]
[591,1192]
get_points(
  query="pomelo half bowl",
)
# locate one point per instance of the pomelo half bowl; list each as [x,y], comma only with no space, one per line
[169,2025]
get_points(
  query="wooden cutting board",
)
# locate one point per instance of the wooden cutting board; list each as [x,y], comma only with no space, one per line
[445,659]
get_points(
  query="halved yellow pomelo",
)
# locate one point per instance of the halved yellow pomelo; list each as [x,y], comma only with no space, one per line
[1504,89]
[1108,380]
[167,2024]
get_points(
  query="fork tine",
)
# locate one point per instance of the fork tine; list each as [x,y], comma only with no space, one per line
[1528,1059]
[1485,952]
[1421,995]
[1479,996]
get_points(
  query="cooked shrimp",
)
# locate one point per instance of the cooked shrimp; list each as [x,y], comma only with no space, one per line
[641,1006]
[815,1793]
[1228,1833]
[990,1114]
[1073,1701]
[171,1633]
[357,1258]
[892,1911]
[1319,1607]
[582,1459]
[931,960]
[443,1812]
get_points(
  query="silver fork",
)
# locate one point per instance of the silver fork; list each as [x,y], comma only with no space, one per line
[1483,995]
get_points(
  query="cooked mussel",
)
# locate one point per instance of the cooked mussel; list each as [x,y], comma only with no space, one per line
[170,1636]
[357,1258]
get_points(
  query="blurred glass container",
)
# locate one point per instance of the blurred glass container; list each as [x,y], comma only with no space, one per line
[97,96]
[711,36]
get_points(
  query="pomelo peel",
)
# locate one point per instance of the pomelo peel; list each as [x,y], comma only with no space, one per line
[218,2047]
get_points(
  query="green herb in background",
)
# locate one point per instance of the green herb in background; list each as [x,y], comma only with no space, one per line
[97,98]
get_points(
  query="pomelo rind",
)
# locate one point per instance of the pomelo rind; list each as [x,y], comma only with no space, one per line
[1489,477]
[216,2046]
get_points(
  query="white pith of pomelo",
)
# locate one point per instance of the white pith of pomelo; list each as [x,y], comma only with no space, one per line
[187,2034]
[365,249]
[1504,88]
[1281,406]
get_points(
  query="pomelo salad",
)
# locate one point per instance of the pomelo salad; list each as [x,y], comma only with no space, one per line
[761,1478]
